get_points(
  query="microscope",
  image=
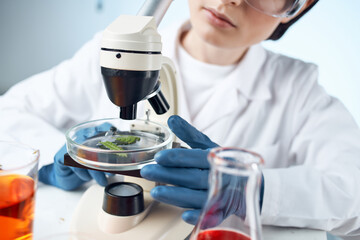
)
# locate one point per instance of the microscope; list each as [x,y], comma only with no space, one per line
[132,63]
[134,73]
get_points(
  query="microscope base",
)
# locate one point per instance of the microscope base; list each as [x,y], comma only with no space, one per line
[162,222]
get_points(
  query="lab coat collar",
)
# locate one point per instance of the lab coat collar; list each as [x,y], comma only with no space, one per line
[253,86]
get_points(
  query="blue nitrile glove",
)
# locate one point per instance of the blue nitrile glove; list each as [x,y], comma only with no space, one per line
[69,178]
[187,169]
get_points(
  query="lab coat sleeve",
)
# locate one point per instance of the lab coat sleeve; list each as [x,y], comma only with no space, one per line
[322,190]
[38,110]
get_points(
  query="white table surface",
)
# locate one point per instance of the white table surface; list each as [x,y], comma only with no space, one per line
[54,209]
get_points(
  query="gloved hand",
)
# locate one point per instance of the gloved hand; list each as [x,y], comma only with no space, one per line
[70,178]
[188,170]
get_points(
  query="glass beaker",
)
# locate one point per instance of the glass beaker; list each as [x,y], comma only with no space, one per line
[18,180]
[232,209]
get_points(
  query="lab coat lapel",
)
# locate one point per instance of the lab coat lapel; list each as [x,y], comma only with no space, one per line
[249,78]
[244,84]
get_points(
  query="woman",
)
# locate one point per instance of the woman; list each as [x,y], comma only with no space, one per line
[241,95]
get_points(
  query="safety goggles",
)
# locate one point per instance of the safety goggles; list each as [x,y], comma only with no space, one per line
[277,8]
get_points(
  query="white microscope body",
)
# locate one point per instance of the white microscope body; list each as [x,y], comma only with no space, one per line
[131,46]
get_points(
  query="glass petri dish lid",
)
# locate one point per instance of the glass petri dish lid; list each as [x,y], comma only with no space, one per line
[114,144]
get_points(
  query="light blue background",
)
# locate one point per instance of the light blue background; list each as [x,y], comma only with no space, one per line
[36,35]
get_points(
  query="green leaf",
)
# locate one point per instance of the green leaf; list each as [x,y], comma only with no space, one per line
[113,146]
[126,140]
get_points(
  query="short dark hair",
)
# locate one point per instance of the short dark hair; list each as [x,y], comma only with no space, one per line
[283,27]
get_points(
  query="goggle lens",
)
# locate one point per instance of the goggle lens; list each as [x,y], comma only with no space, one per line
[277,8]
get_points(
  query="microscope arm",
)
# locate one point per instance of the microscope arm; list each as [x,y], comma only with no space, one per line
[168,79]
[169,88]
[156,8]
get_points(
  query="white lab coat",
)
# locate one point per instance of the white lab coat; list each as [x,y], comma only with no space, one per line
[271,104]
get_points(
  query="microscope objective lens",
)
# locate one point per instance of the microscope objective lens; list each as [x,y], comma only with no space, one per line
[124,190]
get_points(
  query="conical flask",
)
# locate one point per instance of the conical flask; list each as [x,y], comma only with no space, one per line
[232,209]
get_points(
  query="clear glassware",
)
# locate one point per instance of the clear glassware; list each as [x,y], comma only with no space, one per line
[232,210]
[18,182]
[83,143]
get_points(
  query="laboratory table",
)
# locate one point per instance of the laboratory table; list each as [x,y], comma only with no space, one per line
[54,209]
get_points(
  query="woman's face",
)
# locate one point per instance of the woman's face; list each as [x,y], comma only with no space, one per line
[230,24]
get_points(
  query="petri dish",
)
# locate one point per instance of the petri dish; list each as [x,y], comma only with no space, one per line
[115,144]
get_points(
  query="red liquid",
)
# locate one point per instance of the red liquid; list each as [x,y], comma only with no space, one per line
[221,235]
[16,207]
